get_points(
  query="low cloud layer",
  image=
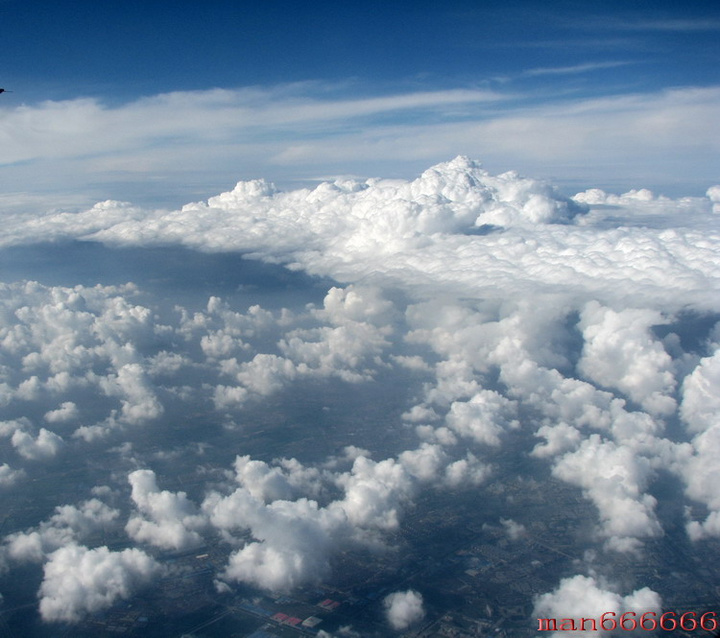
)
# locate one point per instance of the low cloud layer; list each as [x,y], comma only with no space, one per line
[410,231]
[574,335]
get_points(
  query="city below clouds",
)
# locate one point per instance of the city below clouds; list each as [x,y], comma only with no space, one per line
[465,336]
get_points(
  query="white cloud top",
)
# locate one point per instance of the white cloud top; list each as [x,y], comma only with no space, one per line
[166,519]
[79,580]
[584,597]
[423,234]
[404,608]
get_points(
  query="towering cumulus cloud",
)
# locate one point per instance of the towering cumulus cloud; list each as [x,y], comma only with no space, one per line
[496,388]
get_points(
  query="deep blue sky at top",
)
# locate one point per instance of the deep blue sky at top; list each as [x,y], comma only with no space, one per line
[56,50]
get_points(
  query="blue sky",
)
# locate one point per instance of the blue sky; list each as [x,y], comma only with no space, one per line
[60,49]
[404,85]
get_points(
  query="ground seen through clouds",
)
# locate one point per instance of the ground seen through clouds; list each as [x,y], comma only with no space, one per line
[464,400]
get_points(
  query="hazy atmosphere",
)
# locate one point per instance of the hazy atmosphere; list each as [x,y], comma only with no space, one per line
[398,319]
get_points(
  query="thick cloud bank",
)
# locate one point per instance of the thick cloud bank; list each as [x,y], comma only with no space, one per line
[438,231]
[524,337]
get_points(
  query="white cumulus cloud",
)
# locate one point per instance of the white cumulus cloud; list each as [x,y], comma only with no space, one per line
[164,519]
[78,581]
[404,608]
[580,597]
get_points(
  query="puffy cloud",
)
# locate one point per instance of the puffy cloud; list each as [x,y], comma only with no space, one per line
[701,395]
[424,462]
[261,480]
[709,527]
[699,469]
[701,476]
[467,471]
[63,339]
[263,375]
[614,470]
[130,384]
[8,428]
[45,445]
[349,348]
[347,219]
[78,581]
[227,331]
[58,329]
[375,492]
[288,479]
[68,411]
[167,363]
[409,231]
[713,194]
[172,520]
[348,351]
[619,352]
[294,538]
[404,608]
[484,417]
[229,396]
[547,321]
[277,566]
[420,413]
[9,476]
[643,198]
[559,438]
[584,597]
[358,304]
[68,525]
[615,479]
[513,529]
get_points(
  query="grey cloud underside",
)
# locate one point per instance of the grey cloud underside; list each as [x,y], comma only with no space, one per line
[511,310]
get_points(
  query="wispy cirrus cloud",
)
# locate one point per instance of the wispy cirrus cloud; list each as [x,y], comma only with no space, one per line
[291,132]
[676,25]
[575,69]
[87,126]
